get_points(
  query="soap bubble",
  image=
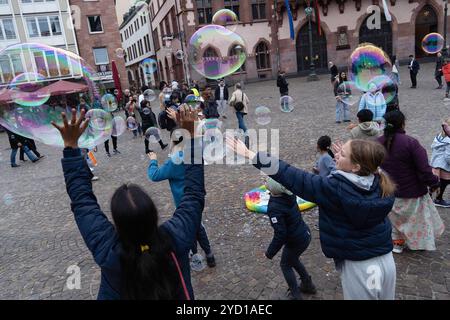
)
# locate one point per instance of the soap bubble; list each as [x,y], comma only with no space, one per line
[120,53]
[262,115]
[32,94]
[367,62]
[287,104]
[348,92]
[221,63]
[149,65]
[179,55]
[153,135]
[226,18]
[432,43]
[109,102]
[118,126]
[149,95]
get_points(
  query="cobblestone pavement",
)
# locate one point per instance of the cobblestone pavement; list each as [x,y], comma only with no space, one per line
[39,239]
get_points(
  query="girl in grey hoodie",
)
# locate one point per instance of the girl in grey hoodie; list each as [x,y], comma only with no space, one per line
[440,161]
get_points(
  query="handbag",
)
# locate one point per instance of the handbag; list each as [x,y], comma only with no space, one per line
[239,106]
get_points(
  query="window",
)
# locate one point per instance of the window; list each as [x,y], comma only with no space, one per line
[262,56]
[7,29]
[174,20]
[259,9]
[232,5]
[101,56]
[152,11]
[95,24]
[3,2]
[204,11]
[55,26]
[33,30]
[156,39]
[145,44]
[121,37]
[6,72]
[140,47]
[234,52]
[35,1]
[43,26]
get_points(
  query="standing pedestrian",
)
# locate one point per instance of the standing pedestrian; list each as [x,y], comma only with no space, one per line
[415,220]
[414,68]
[16,142]
[341,91]
[333,71]
[375,102]
[395,70]
[440,161]
[438,70]
[282,83]
[221,96]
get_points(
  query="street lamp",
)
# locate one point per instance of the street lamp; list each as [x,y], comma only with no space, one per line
[312,68]
[445,27]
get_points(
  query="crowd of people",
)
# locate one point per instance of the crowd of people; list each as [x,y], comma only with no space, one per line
[377,193]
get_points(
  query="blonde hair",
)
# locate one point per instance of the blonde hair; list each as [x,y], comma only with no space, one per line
[369,155]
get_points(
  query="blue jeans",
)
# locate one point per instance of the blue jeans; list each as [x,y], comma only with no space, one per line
[240,117]
[290,261]
[202,238]
[342,110]
[27,151]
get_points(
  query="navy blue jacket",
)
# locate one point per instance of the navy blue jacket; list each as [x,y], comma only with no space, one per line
[353,222]
[287,222]
[101,237]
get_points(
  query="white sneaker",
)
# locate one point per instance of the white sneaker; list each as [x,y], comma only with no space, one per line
[397,248]
[95,178]
[197,263]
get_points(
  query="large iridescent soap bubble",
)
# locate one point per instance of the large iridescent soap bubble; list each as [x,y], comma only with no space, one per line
[39,84]
[432,43]
[367,62]
[216,52]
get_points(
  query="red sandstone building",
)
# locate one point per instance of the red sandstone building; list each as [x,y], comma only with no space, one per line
[98,38]
[265,29]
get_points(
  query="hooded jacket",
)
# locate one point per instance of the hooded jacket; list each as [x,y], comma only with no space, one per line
[366,130]
[407,164]
[353,216]
[287,223]
[440,155]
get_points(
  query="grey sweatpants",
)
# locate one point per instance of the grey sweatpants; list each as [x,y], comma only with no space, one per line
[372,279]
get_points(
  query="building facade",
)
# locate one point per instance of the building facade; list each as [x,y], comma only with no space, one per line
[137,41]
[98,37]
[35,21]
[264,26]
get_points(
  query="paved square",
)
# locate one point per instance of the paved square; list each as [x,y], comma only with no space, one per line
[39,239]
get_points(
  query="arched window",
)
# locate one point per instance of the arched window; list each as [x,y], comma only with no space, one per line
[130,76]
[262,56]
[234,51]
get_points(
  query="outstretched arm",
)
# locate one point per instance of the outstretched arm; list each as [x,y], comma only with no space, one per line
[95,228]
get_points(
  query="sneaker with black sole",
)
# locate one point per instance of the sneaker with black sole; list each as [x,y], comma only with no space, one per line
[442,203]
[307,286]
[211,261]
[15,166]
[116,152]
[164,146]
[290,296]
[108,154]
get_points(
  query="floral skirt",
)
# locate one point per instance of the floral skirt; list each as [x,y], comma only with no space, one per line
[416,221]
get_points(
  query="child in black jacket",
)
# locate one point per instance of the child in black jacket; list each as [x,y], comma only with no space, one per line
[291,233]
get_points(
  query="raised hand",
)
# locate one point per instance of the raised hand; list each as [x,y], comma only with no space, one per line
[152,156]
[239,147]
[188,117]
[71,132]
[337,147]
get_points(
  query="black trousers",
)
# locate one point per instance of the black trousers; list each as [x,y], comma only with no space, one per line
[114,141]
[438,78]
[413,76]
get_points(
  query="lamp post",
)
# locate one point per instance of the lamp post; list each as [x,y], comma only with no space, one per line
[312,68]
[445,27]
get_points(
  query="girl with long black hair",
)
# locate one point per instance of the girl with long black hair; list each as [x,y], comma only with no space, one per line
[138,258]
